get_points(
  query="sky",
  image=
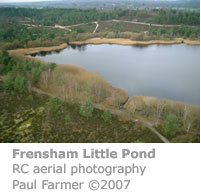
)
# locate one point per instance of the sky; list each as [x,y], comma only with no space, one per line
[2,1]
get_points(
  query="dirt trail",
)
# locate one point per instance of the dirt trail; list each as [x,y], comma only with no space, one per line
[77,25]
[122,114]
[62,27]
[143,23]
[56,26]
[150,126]
[119,113]
[37,90]
[97,25]
[67,28]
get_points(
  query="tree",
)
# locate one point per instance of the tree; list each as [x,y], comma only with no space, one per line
[171,125]
[20,83]
[36,72]
[54,104]
[86,109]
[160,106]
[106,116]
[52,66]
[8,82]
[80,30]
[133,106]
[187,119]
[5,58]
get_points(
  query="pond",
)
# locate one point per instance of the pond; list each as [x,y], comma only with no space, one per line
[163,71]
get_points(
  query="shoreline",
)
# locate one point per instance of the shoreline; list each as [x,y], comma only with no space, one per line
[28,51]
[21,53]
[97,41]
[121,41]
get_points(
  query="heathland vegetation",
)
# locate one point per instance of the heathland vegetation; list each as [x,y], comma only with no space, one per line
[24,28]
[45,102]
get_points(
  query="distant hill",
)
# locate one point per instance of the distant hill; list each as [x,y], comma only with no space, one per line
[106,4]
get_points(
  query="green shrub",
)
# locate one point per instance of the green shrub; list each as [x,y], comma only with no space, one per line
[80,30]
[26,66]
[36,72]
[2,70]
[7,62]
[106,116]
[9,67]
[86,109]
[8,82]
[20,83]
[171,125]
[5,58]
[17,68]
[55,104]
[52,66]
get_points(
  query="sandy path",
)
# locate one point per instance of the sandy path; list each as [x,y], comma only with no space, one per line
[62,27]
[97,25]
[149,125]
[143,23]
[68,28]
[56,26]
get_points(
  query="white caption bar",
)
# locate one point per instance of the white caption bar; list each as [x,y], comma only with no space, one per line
[131,169]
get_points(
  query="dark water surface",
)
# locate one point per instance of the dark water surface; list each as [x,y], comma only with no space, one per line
[163,71]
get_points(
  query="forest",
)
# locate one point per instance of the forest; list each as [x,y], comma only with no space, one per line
[52,16]
[26,27]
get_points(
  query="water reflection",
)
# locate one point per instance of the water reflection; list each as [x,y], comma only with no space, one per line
[45,53]
[140,46]
[164,71]
[80,48]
